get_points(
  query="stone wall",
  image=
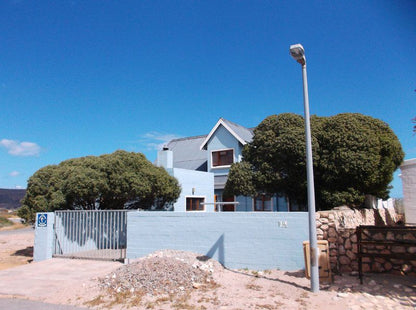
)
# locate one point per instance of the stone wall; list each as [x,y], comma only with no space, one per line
[338,227]
[399,242]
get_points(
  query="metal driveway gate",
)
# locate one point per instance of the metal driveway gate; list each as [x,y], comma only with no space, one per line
[91,234]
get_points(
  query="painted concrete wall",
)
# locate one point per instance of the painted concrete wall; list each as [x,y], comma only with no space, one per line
[408,176]
[43,245]
[193,184]
[237,239]
[222,139]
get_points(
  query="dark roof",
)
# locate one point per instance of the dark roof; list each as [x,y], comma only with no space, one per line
[187,154]
[245,133]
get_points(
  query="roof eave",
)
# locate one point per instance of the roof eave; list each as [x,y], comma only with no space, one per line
[221,122]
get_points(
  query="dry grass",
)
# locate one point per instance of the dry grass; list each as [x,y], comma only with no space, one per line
[253,287]
[270,307]
[301,299]
[111,299]
[5,222]
[99,300]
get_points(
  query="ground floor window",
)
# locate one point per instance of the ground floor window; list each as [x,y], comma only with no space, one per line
[263,203]
[194,204]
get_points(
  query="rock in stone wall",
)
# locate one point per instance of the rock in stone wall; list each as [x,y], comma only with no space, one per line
[399,243]
[338,227]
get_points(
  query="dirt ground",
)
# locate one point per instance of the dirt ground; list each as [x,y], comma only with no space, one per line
[16,247]
[230,289]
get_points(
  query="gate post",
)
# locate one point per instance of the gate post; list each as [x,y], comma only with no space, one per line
[44,233]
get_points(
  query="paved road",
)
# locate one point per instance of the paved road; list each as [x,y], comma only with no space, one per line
[23,304]
[17,231]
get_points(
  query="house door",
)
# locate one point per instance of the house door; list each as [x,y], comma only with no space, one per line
[228,207]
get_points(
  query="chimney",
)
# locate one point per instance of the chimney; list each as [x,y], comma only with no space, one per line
[165,158]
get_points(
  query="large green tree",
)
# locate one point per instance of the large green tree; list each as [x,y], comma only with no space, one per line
[353,155]
[111,181]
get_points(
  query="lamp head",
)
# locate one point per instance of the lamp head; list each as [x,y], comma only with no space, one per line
[298,53]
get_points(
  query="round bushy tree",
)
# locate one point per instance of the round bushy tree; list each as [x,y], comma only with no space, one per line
[353,155]
[358,156]
[111,181]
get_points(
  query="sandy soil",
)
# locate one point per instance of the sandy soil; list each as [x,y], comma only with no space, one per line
[232,289]
[16,248]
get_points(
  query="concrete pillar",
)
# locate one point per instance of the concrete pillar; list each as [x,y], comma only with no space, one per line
[43,248]
[408,176]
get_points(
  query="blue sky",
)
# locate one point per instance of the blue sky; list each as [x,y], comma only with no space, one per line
[84,78]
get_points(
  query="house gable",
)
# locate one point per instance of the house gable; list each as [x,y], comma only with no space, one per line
[240,133]
[222,141]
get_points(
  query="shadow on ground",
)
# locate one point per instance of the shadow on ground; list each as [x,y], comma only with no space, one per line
[28,252]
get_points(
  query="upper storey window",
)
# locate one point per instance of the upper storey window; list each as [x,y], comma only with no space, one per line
[222,158]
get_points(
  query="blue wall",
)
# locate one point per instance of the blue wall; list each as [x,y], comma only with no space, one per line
[193,184]
[237,240]
[222,139]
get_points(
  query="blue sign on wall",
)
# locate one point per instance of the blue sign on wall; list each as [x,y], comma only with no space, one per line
[42,220]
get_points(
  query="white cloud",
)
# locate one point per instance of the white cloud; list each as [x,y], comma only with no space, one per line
[18,187]
[17,148]
[14,173]
[155,140]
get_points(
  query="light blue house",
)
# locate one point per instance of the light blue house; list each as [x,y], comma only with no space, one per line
[201,165]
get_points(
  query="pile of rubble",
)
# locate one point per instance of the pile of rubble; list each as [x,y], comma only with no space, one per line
[163,272]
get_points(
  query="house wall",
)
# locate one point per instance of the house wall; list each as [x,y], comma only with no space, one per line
[222,139]
[408,169]
[245,204]
[193,184]
[282,204]
[237,239]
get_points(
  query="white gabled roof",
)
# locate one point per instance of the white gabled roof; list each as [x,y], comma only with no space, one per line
[242,134]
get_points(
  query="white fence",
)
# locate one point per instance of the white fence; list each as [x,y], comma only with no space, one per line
[90,234]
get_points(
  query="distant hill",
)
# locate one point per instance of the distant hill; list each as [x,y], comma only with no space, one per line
[10,198]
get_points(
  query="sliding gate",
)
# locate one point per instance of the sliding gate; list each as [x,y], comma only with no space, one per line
[91,234]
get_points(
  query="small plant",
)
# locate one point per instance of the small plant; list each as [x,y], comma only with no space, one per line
[271,307]
[95,302]
[182,303]
[253,287]
[255,273]
[4,222]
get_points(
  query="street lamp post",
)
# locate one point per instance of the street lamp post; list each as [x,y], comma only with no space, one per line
[298,53]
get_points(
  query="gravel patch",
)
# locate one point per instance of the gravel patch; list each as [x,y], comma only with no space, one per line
[163,272]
